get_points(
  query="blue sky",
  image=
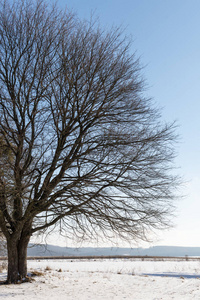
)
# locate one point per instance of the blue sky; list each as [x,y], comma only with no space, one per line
[166,36]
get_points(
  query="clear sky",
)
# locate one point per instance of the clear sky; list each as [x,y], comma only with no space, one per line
[166,36]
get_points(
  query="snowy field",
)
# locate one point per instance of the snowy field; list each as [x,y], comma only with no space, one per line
[108,279]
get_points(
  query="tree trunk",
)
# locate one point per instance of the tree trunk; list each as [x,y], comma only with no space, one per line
[17,259]
[12,276]
[22,256]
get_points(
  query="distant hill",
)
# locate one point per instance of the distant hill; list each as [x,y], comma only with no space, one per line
[50,250]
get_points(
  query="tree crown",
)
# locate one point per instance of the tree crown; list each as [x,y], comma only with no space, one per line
[88,149]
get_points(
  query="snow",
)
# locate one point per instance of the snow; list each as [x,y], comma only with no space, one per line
[108,279]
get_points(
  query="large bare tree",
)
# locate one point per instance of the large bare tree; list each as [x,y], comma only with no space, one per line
[86,148]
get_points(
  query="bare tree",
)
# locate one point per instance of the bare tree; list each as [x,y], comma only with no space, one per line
[88,149]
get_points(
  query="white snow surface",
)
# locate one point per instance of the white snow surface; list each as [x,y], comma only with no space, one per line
[108,279]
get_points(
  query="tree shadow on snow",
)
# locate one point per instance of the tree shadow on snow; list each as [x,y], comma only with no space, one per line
[174,275]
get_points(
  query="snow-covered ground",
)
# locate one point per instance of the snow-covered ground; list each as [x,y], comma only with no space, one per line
[108,279]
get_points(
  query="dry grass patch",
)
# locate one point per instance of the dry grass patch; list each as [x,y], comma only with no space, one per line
[47,268]
[36,273]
